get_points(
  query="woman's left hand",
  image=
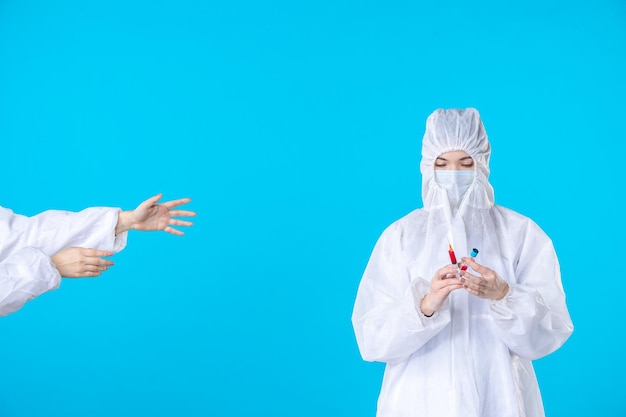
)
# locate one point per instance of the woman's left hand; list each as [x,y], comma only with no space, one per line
[487,285]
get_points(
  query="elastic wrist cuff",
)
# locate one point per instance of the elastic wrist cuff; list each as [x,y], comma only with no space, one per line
[422,311]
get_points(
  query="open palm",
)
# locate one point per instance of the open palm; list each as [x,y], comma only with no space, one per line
[152,216]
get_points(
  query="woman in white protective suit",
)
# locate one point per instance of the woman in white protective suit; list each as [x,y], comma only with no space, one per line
[460,343]
[35,252]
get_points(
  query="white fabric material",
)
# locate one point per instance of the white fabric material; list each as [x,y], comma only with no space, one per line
[472,357]
[27,244]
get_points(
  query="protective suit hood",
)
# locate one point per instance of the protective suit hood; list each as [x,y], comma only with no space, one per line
[452,130]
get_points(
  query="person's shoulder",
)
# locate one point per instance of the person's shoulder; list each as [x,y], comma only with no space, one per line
[414,217]
[514,219]
[508,213]
[5,212]
[407,222]
[398,230]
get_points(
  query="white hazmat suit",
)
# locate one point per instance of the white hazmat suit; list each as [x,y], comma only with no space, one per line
[472,358]
[28,243]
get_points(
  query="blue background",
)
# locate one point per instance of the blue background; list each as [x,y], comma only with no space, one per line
[296,128]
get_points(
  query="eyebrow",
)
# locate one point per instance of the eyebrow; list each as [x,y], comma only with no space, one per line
[461,159]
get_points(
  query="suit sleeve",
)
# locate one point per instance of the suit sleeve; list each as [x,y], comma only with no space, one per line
[532,318]
[24,275]
[387,321]
[54,230]
[28,243]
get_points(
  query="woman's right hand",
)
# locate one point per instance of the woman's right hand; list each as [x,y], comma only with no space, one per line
[76,262]
[443,283]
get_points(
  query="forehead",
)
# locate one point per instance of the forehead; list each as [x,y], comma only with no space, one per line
[454,155]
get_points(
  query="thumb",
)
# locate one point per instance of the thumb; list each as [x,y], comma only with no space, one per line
[151,201]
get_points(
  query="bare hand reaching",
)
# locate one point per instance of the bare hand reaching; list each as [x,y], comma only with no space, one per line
[152,216]
[75,262]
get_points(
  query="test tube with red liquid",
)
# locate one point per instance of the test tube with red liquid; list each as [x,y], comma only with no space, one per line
[473,255]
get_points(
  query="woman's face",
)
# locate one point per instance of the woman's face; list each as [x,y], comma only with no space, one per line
[454,160]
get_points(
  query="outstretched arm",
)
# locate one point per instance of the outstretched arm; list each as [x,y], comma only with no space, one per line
[152,216]
[37,251]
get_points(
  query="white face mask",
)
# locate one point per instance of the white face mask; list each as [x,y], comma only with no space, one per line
[455,183]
